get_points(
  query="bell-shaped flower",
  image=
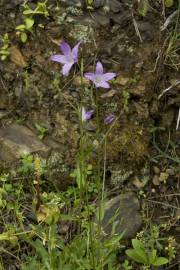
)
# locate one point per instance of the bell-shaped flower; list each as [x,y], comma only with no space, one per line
[68,58]
[99,78]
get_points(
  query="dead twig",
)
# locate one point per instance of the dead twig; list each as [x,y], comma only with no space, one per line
[168,89]
[178,120]
[164,204]
[169,20]
[136,28]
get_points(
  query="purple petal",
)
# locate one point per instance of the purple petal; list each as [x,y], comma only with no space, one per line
[109,119]
[75,51]
[58,58]
[90,76]
[86,115]
[66,68]
[99,68]
[65,48]
[102,84]
[109,76]
[89,114]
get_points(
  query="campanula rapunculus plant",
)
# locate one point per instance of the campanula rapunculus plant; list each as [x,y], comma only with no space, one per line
[99,78]
[86,115]
[68,58]
[109,119]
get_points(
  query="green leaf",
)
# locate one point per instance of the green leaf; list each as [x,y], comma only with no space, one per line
[160,261]
[169,3]
[28,12]
[135,256]
[29,23]
[20,27]
[152,256]
[137,244]
[23,37]
[3,57]
[143,7]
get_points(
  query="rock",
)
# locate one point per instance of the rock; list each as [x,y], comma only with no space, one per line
[3,113]
[101,19]
[156,170]
[167,118]
[16,140]
[115,6]
[78,81]
[99,3]
[4,103]
[124,211]
[155,180]
[122,79]
[138,90]
[72,3]
[121,18]
[17,57]
[146,30]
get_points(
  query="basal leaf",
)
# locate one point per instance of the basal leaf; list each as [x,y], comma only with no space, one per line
[134,255]
[160,261]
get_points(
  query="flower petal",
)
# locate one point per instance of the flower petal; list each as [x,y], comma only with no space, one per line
[75,51]
[58,58]
[65,48]
[86,115]
[90,76]
[89,114]
[109,119]
[109,76]
[66,68]
[99,68]
[102,84]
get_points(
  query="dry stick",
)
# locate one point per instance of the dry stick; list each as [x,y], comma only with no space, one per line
[164,204]
[168,89]
[163,9]
[136,28]
[178,120]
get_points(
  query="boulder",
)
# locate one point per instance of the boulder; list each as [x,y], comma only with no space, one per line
[16,140]
[123,213]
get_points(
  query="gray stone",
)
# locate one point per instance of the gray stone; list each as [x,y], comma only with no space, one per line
[98,3]
[16,140]
[101,19]
[72,3]
[3,113]
[123,212]
[115,6]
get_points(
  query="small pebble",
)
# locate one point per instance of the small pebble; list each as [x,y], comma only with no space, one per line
[156,170]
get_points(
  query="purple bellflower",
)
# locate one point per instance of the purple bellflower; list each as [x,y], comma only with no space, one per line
[69,57]
[109,119]
[86,115]
[99,78]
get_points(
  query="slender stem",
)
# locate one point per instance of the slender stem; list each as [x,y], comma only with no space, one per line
[83,172]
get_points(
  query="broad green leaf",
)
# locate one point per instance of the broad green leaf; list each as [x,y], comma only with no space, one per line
[23,37]
[134,256]
[169,3]
[137,244]
[29,23]
[160,261]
